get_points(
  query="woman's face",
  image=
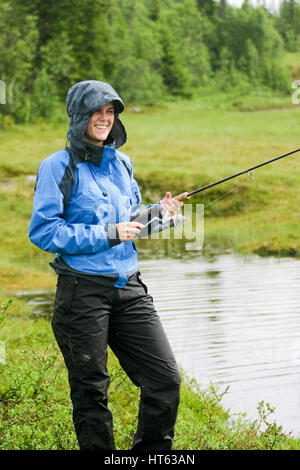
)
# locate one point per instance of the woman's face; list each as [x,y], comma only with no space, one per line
[100,125]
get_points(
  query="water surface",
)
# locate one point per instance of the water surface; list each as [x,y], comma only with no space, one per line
[231,320]
[235,321]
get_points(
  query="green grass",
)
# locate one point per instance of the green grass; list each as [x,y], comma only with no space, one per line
[36,412]
[291,61]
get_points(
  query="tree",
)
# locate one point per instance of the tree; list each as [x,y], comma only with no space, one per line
[186,61]
[253,44]
[222,8]
[207,7]
[18,41]
[288,24]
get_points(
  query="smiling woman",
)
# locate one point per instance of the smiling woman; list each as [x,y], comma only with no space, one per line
[100,125]
[85,196]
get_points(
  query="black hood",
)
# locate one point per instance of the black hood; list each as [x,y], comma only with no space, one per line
[82,100]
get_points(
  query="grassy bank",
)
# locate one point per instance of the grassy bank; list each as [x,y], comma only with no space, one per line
[177,147]
[36,412]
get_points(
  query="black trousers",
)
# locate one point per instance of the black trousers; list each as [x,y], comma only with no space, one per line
[87,317]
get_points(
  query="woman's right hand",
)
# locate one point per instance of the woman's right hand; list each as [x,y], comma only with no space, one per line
[128,230]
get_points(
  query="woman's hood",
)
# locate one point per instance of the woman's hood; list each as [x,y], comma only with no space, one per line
[82,100]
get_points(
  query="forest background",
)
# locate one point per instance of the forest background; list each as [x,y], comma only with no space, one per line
[149,50]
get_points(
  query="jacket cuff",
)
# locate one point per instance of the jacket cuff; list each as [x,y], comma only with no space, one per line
[112,235]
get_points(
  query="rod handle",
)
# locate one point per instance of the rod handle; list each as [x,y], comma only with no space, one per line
[182,196]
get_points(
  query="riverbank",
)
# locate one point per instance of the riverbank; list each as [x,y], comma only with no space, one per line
[36,411]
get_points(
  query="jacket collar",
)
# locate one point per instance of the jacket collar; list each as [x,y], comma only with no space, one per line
[95,154]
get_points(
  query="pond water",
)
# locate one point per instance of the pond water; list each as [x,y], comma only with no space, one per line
[232,321]
[235,321]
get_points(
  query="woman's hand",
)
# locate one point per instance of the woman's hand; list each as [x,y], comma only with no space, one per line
[170,204]
[128,230]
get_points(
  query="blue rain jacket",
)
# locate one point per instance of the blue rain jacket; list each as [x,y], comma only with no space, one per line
[83,190]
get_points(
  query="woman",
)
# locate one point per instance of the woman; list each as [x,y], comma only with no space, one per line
[85,196]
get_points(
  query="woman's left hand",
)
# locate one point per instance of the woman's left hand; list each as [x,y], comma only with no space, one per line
[170,204]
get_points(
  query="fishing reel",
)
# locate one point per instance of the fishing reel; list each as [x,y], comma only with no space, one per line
[154,222]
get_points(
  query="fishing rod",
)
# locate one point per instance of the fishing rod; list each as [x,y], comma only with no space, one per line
[142,215]
[187,195]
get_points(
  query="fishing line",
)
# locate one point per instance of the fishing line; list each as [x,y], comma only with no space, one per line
[236,186]
[186,195]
